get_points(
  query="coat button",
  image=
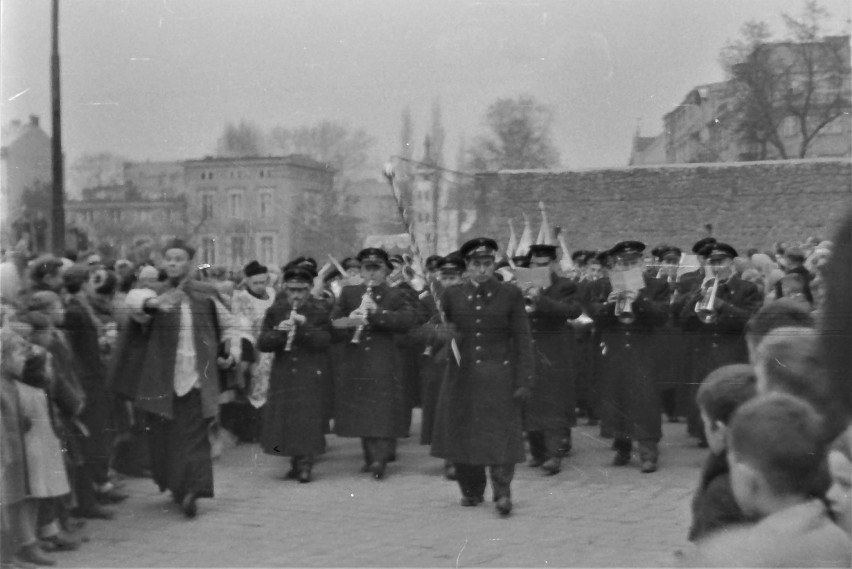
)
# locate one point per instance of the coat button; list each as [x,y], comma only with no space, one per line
[479,321]
[626,345]
[478,347]
[478,334]
[319,372]
[627,333]
[479,308]
[478,362]
[367,349]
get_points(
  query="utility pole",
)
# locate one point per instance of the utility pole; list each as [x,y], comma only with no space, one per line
[58,211]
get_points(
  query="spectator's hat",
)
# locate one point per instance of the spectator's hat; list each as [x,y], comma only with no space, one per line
[254,268]
[451,264]
[543,251]
[174,244]
[701,244]
[718,251]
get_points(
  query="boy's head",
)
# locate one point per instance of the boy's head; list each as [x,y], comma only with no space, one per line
[720,394]
[775,450]
[839,496]
[783,312]
[788,361]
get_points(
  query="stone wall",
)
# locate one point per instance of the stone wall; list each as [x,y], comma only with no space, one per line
[747,204]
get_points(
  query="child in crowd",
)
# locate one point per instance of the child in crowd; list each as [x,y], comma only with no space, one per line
[721,393]
[775,450]
[839,496]
[782,312]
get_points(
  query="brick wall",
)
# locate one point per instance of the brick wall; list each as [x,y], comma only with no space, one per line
[748,204]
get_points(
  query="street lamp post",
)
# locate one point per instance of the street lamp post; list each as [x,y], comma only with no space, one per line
[58,194]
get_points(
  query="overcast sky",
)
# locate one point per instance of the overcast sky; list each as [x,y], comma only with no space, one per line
[158,79]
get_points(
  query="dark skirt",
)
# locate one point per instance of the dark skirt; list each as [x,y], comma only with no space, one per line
[180,449]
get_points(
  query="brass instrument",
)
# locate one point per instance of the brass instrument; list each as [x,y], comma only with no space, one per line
[624,308]
[356,338]
[704,307]
[291,334]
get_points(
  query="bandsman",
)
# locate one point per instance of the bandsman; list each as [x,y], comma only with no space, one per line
[297,330]
[717,311]
[551,411]
[628,321]
[370,398]
[478,422]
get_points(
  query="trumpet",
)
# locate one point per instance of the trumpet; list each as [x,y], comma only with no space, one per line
[291,335]
[704,307]
[624,308]
[356,337]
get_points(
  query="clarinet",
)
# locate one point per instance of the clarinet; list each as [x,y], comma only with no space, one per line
[356,338]
[291,335]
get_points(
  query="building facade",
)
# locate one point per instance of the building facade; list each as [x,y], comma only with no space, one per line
[267,209]
[704,127]
[25,163]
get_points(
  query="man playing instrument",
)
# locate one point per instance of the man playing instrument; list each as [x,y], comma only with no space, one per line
[297,330]
[551,411]
[717,312]
[369,396]
[628,320]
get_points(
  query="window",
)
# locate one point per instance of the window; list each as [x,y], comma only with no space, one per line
[267,250]
[207,205]
[235,203]
[265,204]
[237,252]
[208,250]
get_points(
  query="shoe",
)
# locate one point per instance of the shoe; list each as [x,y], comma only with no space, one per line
[111,496]
[649,465]
[32,553]
[565,445]
[621,458]
[469,501]
[450,472]
[59,542]
[552,466]
[504,505]
[378,470]
[292,474]
[72,525]
[189,505]
[95,512]
[304,476]
[535,462]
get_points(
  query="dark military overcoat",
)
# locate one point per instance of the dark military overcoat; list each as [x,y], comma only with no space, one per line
[370,398]
[631,404]
[478,421]
[723,341]
[553,400]
[294,416]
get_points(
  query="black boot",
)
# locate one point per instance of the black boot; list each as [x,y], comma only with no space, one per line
[622,452]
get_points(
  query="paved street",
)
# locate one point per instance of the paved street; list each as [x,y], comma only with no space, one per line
[592,514]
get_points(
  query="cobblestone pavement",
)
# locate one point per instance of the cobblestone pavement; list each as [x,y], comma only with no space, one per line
[591,514]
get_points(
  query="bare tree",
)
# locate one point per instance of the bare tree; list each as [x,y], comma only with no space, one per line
[797,85]
[346,151]
[519,137]
[241,140]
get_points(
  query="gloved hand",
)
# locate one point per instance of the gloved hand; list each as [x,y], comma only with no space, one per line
[522,394]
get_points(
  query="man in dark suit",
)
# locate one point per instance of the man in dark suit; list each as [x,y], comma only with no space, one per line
[551,411]
[478,420]
[628,320]
[718,322]
[370,402]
